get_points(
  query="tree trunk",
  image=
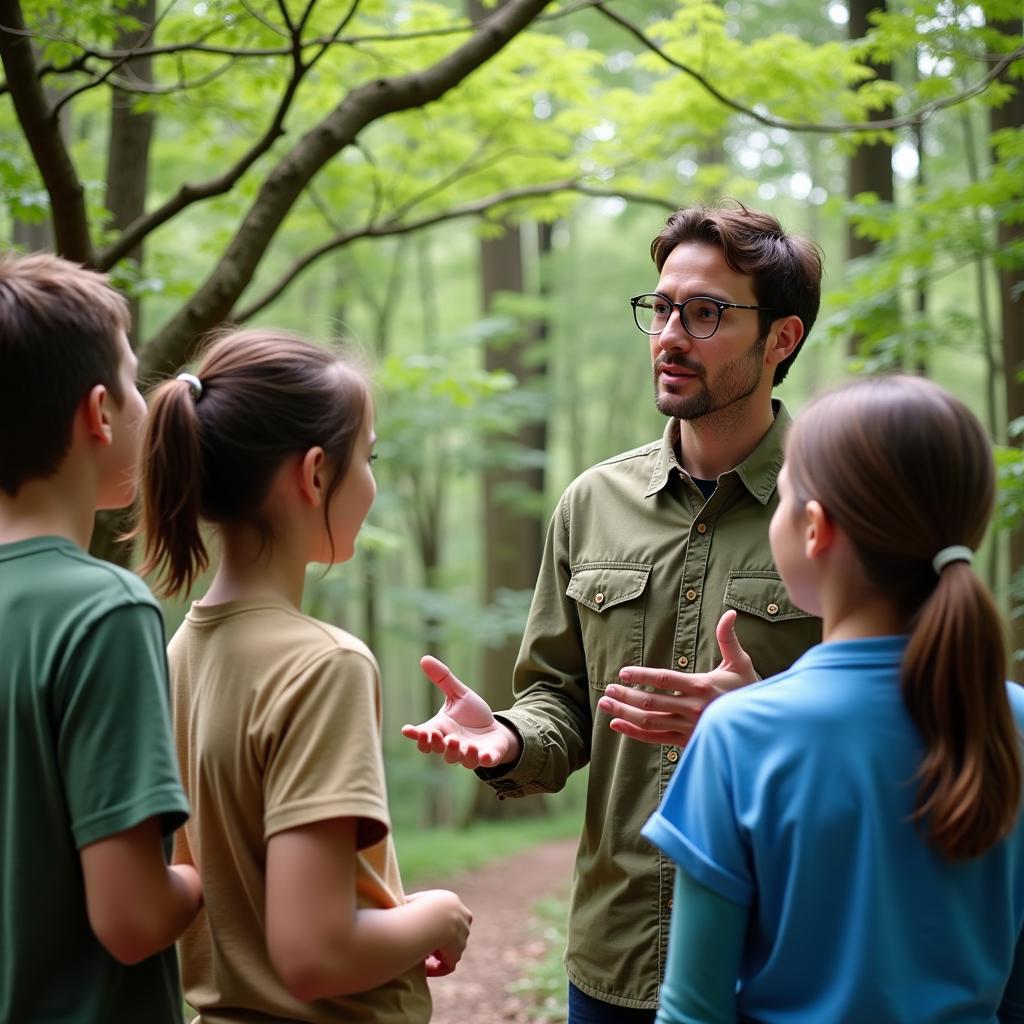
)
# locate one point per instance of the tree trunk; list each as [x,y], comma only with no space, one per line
[513,535]
[131,132]
[432,490]
[128,148]
[870,166]
[1010,233]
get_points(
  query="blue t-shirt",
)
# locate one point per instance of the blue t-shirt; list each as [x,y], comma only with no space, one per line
[794,798]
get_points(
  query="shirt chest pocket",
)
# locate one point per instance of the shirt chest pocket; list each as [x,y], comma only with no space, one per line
[610,601]
[771,629]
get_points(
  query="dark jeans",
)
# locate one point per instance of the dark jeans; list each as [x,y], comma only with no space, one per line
[584,1009]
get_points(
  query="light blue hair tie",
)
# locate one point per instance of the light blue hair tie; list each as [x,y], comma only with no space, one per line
[954,553]
[195,385]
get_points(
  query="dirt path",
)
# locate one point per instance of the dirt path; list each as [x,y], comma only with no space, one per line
[502,943]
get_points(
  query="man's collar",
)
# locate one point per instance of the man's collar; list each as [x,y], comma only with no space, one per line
[758,471]
[666,461]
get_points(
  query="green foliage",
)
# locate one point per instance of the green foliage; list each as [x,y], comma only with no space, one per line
[438,853]
[544,985]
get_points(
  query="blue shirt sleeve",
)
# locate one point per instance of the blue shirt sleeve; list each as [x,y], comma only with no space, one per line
[697,824]
[114,743]
[704,953]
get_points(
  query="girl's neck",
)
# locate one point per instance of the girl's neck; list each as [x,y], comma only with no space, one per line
[857,612]
[251,568]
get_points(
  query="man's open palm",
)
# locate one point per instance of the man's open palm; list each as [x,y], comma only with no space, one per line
[464,731]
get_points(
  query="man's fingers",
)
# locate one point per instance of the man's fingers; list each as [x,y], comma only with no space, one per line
[665,679]
[441,676]
[428,741]
[664,713]
[695,694]
[728,641]
[657,737]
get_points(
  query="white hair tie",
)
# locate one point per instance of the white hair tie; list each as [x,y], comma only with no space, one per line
[195,385]
[954,553]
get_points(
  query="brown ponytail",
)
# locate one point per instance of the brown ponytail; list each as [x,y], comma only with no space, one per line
[905,469]
[265,395]
[169,495]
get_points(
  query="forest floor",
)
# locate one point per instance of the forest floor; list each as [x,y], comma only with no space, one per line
[507,940]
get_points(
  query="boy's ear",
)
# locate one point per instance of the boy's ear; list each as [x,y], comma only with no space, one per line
[783,339]
[313,476]
[819,530]
[95,411]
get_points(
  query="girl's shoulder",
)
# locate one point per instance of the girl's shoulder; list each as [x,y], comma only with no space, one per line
[336,638]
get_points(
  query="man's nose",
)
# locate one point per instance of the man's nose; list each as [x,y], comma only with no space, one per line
[673,334]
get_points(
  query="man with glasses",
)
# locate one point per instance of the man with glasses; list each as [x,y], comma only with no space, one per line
[657,592]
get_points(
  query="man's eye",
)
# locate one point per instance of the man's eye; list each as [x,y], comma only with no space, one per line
[661,308]
[703,311]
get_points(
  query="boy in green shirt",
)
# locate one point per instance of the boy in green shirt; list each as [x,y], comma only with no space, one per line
[89,785]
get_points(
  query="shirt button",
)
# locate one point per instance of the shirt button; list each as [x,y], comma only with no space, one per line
[672,756]
[702,527]
[773,609]
[691,595]
[682,662]
[599,599]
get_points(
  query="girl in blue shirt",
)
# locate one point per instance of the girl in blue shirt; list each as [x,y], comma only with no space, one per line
[847,833]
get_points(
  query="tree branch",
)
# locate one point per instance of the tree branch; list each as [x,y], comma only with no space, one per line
[915,117]
[200,46]
[189,194]
[394,226]
[42,132]
[371,101]
[100,79]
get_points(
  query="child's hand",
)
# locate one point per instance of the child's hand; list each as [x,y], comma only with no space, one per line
[669,718]
[464,730]
[454,919]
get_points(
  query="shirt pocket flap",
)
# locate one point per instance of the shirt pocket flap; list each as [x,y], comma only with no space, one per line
[761,593]
[603,585]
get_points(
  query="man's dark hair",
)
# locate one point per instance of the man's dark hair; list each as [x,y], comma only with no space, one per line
[59,325]
[786,269]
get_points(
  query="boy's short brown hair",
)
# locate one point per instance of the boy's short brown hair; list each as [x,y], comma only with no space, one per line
[59,325]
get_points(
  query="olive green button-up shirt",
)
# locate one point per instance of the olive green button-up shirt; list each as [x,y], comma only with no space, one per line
[638,568]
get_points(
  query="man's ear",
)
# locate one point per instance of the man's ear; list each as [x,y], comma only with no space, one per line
[783,339]
[313,476]
[95,412]
[819,530]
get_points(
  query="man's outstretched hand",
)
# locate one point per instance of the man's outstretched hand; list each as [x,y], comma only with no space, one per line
[464,731]
[669,718]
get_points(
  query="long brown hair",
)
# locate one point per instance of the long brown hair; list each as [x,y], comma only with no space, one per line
[905,469]
[266,395]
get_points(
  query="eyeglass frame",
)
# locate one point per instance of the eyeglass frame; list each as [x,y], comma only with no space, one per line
[722,307]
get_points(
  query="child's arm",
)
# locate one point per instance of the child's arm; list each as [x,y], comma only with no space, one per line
[705,947]
[137,905]
[321,943]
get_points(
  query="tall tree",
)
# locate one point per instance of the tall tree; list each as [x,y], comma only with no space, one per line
[1007,122]
[870,164]
[129,141]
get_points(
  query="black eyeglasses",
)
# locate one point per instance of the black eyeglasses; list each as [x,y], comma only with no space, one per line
[700,316]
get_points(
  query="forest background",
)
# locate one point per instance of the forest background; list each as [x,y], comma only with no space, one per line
[467,191]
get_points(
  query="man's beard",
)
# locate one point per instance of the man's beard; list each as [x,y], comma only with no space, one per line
[733,383]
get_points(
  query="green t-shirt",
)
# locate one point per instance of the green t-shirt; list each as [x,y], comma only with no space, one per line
[85,752]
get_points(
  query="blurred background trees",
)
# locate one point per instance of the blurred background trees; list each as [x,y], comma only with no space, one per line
[467,192]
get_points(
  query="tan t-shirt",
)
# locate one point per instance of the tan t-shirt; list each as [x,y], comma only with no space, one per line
[277,725]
